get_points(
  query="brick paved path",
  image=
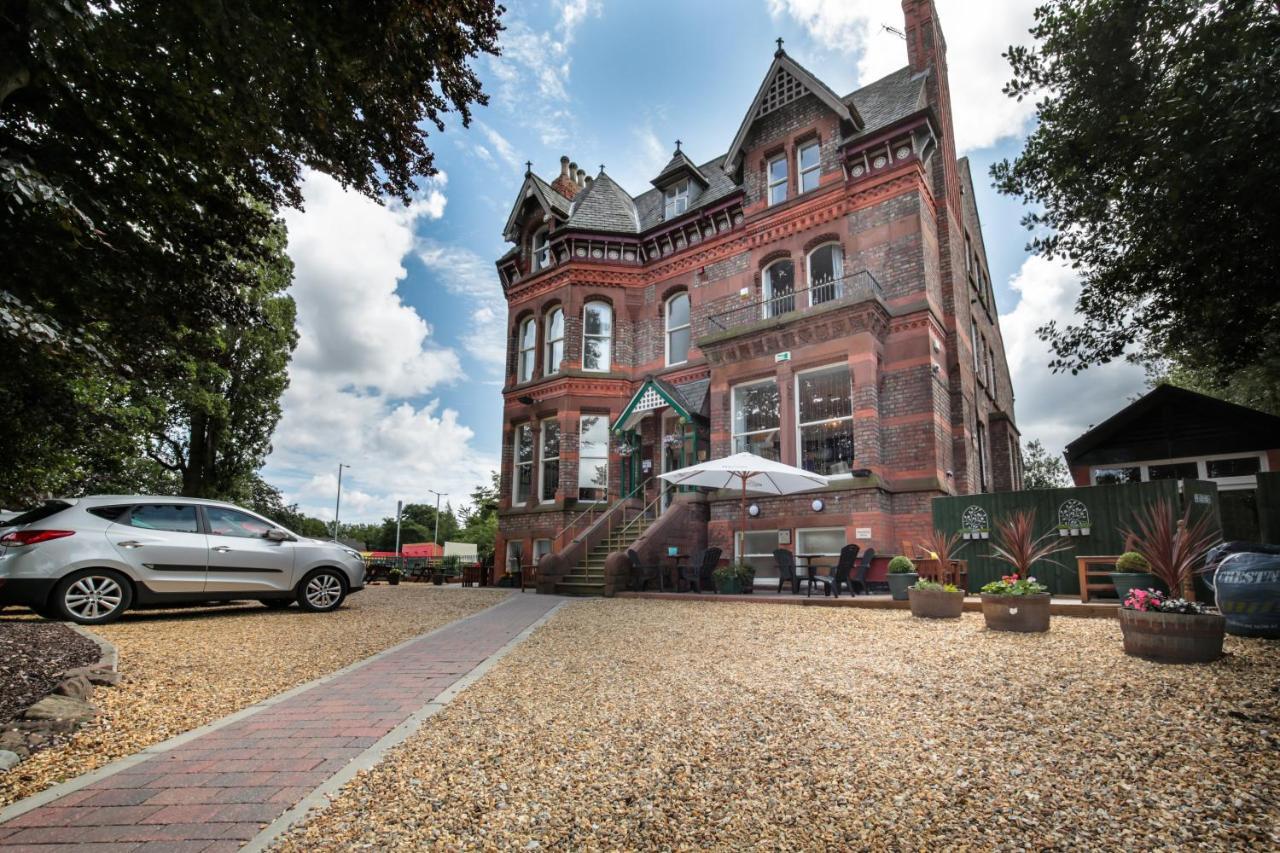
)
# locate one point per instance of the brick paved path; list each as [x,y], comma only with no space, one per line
[218,790]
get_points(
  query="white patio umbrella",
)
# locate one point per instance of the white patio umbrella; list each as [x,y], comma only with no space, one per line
[748,472]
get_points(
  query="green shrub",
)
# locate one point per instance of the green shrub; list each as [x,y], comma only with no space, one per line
[923,584]
[1132,561]
[901,566]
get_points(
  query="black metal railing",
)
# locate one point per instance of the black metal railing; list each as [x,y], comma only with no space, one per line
[855,287]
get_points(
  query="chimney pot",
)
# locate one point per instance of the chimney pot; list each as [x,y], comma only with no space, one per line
[582,174]
[564,167]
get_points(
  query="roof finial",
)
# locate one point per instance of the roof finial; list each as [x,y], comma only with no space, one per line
[528,167]
[677,146]
[602,167]
[779,51]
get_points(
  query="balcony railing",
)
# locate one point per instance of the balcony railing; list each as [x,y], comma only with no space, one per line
[846,290]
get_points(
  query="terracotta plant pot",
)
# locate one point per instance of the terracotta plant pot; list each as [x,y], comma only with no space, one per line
[1172,637]
[899,582]
[936,603]
[1023,613]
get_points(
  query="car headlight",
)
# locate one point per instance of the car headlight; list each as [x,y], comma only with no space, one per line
[354,554]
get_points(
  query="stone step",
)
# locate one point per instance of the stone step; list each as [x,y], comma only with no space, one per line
[583,588]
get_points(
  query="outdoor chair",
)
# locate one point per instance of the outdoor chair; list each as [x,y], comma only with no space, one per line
[699,572]
[840,577]
[642,574]
[858,580]
[786,563]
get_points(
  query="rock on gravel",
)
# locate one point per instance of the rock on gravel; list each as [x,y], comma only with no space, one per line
[672,725]
[57,707]
[184,668]
[8,759]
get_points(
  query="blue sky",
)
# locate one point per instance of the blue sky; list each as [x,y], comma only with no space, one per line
[401,319]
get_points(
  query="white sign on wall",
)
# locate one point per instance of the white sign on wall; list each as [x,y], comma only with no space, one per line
[782,356]
[862,533]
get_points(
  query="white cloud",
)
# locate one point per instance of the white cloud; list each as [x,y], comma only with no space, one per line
[500,145]
[643,158]
[466,274]
[365,362]
[1057,407]
[976,38]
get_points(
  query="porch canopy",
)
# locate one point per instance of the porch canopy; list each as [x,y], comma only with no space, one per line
[747,472]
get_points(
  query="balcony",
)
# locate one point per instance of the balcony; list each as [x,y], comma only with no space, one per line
[732,315]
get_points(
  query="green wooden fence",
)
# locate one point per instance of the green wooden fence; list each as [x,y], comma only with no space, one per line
[1093,517]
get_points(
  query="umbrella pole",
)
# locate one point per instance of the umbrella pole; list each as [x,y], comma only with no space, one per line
[742,520]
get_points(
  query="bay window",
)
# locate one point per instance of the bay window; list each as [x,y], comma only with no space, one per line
[756,412]
[522,485]
[678,329]
[550,479]
[810,166]
[597,336]
[593,458]
[824,420]
[779,283]
[777,177]
[528,339]
[554,335]
[826,268]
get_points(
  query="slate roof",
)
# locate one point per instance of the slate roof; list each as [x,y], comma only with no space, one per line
[558,203]
[719,186]
[691,395]
[892,97]
[679,164]
[604,206]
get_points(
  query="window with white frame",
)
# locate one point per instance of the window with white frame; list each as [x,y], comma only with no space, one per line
[554,336]
[777,177]
[522,485]
[597,336]
[515,554]
[1112,474]
[779,282]
[810,166]
[678,329]
[593,458]
[826,270]
[528,350]
[824,420]
[541,548]
[541,249]
[550,478]
[757,409]
[755,548]
[822,542]
[676,200]
[1230,471]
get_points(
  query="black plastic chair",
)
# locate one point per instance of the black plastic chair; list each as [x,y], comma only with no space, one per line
[642,574]
[786,562]
[859,579]
[840,577]
[699,573]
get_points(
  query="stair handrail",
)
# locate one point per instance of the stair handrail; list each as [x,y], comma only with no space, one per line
[590,511]
[644,513]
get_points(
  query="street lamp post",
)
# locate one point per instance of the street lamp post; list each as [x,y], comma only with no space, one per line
[435,537]
[337,504]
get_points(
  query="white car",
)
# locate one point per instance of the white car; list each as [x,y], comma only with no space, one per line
[91,559]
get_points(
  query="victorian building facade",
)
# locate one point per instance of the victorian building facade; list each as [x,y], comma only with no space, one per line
[818,294]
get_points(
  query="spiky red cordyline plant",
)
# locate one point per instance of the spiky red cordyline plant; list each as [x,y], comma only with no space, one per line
[1016,543]
[944,545]
[1173,549]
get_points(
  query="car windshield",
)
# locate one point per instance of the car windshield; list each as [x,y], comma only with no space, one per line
[40,513]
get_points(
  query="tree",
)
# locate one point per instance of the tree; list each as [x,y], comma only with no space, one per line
[145,150]
[267,501]
[1144,172]
[480,520]
[1257,386]
[1041,470]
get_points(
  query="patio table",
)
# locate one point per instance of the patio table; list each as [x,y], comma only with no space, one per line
[675,559]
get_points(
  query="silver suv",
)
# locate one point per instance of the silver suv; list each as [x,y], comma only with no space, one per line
[90,559]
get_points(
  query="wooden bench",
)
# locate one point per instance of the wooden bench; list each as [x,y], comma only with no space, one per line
[1095,574]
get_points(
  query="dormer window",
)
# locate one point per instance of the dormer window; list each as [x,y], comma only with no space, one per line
[541,249]
[677,199]
[810,166]
[778,180]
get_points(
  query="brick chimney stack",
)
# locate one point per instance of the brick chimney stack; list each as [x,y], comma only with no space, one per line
[927,51]
[565,184]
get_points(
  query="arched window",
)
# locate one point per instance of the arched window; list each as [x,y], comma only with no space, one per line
[554,336]
[597,336]
[528,341]
[540,249]
[779,288]
[826,273]
[678,329]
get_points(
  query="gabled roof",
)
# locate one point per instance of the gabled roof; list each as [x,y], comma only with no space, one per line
[685,400]
[679,165]
[719,186]
[1170,422]
[889,99]
[604,206]
[552,202]
[780,87]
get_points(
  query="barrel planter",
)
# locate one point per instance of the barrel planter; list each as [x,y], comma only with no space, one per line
[900,582]
[1025,614]
[1126,582]
[1172,637]
[1247,586]
[936,603]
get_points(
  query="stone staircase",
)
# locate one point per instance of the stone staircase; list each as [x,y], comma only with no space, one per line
[587,578]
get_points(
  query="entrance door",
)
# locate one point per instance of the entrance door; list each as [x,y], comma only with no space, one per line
[670,453]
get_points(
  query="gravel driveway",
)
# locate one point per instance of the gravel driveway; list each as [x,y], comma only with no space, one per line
[654,724]
[185,668]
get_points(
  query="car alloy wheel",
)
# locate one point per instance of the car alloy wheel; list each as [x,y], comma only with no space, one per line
[322,591]
[93,598]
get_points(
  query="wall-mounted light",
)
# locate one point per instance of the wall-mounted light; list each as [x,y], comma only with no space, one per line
[818,505]
[861,472]
[753,510]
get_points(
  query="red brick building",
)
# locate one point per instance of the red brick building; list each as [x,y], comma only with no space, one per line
[819,294]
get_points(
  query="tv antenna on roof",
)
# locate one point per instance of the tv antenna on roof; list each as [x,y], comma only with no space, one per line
[897,32]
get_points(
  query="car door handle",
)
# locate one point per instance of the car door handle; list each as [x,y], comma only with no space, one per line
[129,544]
[221,549]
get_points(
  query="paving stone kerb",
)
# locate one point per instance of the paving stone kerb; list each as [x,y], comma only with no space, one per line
[222,787]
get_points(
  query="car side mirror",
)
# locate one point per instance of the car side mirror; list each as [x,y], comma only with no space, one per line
[275,534]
